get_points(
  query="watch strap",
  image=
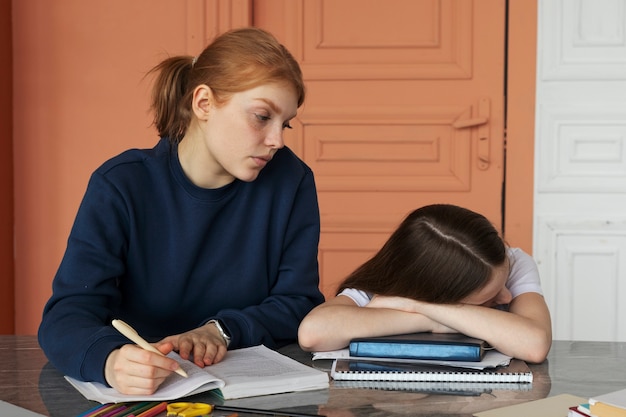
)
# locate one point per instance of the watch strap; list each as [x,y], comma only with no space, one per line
[220,329]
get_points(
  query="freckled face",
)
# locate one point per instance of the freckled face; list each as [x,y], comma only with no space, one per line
[243,134]
[495,292]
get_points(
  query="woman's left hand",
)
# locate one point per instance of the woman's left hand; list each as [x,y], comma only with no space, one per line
[204,344]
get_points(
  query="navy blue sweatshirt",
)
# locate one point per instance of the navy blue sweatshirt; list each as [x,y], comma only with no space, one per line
[151,248]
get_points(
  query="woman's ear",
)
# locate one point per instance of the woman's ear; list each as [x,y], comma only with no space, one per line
[201,101]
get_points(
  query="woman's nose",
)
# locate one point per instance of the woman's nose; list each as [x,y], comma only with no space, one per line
[275,139]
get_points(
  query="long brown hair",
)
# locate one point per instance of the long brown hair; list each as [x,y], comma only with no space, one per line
[235,61]
[440,254]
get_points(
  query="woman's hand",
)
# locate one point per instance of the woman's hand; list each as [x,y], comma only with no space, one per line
[134,371]
[204,345]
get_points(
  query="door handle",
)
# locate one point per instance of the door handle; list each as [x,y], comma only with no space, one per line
[477,121]
[482,123]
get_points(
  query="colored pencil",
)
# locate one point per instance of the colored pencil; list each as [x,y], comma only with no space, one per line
[91,411]
[157,409]
[102,410]
[115,410]
[136,409]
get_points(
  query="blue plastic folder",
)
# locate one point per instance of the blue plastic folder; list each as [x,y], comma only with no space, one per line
[425,346]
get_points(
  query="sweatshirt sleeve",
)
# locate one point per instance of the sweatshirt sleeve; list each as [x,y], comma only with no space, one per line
[295,291]
[74,331]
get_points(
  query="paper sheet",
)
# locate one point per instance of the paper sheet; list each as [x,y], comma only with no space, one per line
[556,406]
[8,409]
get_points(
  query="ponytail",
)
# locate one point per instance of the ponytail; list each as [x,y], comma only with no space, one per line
[171,101]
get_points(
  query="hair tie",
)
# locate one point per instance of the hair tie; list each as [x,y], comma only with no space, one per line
[193,61]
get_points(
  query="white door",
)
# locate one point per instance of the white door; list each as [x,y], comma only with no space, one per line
[580,162]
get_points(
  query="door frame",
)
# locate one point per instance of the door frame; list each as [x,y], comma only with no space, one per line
[520,123]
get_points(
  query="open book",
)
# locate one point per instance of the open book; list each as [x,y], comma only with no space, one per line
[245,372]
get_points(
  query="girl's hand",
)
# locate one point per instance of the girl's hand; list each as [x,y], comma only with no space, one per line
[204,345]
[395,303]
[410,306]
[135,371]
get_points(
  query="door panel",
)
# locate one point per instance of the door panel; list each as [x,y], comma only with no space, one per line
[410,149]
[400,39]
[404,108]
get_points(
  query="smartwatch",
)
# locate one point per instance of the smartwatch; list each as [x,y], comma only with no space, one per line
[220,329]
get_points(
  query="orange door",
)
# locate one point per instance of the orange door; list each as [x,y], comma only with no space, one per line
[405,107]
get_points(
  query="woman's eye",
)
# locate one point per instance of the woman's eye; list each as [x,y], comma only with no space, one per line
[264,118]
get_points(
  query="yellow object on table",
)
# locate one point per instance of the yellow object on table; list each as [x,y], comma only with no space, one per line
[188,409]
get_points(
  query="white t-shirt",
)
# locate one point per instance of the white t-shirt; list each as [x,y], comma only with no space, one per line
[524,277]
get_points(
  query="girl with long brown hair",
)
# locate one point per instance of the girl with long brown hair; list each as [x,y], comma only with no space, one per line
[444,269]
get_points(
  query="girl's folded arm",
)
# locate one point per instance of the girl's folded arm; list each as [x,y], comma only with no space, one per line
[333,324]
[523,332]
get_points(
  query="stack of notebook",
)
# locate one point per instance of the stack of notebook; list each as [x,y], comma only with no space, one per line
[428,362]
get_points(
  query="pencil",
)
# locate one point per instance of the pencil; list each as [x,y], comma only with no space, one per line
[115,410]
[264,412]
[101,410]
[130,333]
[154,411]
[91,411]
[136,409]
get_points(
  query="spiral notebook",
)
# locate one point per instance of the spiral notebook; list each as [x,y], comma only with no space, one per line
[453,388]
[363,370]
